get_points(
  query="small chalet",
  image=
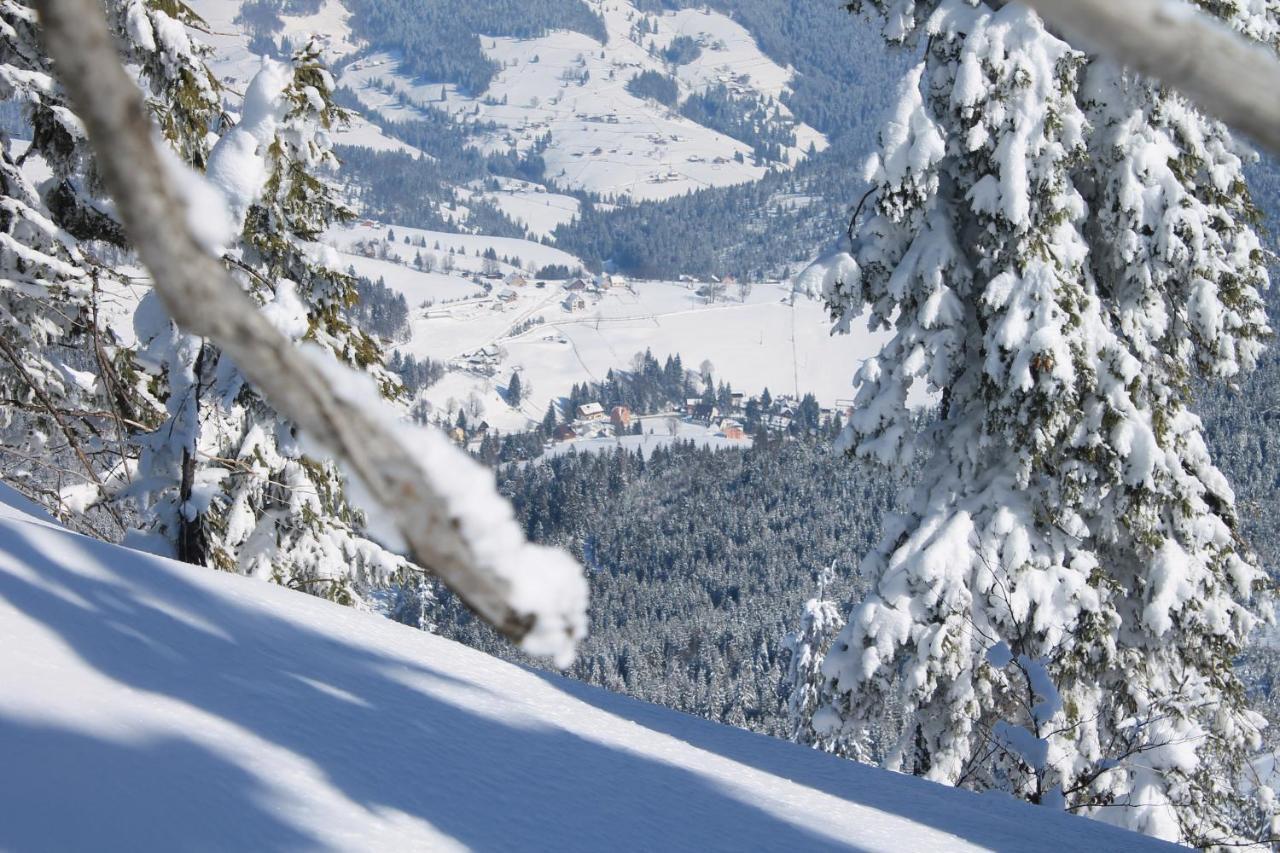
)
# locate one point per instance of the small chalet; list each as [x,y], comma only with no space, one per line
[621,418]
[732,430]
[591,412]
[517,280]
[573,302]
[578,284]
[691,405]
[507,295]
[564,432]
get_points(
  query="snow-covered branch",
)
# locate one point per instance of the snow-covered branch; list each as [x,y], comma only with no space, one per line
[442,503]
[1225,74]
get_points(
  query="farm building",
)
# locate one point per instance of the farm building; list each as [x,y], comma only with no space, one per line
[732,430]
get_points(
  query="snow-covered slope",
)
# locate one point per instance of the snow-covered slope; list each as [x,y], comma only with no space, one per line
[603,138]
[147,705]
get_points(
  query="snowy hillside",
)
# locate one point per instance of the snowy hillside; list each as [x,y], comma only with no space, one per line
[568,92]
[150,705]
[602,137]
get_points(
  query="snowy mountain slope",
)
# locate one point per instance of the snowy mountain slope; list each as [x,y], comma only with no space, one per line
[603,138]
[235,64]
[148,705]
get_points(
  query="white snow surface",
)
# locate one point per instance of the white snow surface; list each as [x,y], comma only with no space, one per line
[659,431]
[150,705]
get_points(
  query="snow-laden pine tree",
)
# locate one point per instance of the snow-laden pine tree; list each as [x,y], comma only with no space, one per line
[1061,251]
[228,484]
[68,384]
[185,99]
[804,683]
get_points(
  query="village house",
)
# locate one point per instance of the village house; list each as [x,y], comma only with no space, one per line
[508,295]
[517,280]
[573,302]
[564,432]
[578,284]
[591,412]
[732,430]
[621,418]
[778,423]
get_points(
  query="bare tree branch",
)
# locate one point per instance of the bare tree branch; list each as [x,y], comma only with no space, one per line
[1225,74]
[202,298]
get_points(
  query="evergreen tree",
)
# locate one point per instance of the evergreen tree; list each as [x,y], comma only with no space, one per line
[228,484]
[183,94]
[514,391]
[1059,248]
[804,683]
[70,384]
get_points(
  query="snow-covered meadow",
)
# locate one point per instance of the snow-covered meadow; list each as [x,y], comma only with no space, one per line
[758,337]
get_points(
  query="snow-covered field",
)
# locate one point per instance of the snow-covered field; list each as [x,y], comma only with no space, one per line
[147,705]
[659,431]
[529,204]
[766,342]
[765,338]
[467,248]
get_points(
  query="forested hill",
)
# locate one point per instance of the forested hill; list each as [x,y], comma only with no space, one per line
[440,39]
[699,562]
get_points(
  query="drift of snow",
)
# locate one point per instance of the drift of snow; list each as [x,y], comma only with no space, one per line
[150,705]
[238,163]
